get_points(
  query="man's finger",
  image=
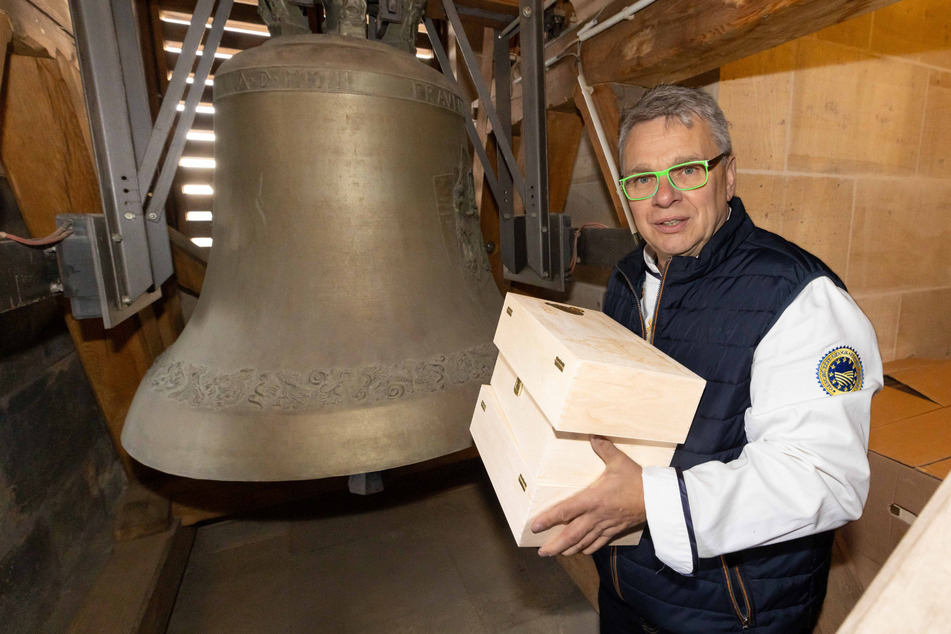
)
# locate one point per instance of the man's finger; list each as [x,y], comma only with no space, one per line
[605,449]
[562,513]
[567,542]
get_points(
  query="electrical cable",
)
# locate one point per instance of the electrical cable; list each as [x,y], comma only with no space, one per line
[60,234]
[574,248]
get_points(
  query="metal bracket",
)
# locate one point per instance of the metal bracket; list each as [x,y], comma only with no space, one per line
[534,244]
[135,257]
[85,269]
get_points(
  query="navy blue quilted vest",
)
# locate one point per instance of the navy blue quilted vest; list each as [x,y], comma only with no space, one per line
[713,311]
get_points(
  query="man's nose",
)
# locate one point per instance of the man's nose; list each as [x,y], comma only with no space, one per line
[666,194]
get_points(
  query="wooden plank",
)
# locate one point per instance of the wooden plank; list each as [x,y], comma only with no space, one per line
[6,34]
[654,47]
[584,573]
[605,103]
[136,590]
[36,32]
[564,137]
[910,592]
[188,261]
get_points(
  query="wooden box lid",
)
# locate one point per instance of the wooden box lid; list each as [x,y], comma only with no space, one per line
[591,375]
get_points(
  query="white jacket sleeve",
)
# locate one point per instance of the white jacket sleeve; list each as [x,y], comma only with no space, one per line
[805,467]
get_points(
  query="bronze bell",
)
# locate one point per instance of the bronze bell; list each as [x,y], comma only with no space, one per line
[347,313]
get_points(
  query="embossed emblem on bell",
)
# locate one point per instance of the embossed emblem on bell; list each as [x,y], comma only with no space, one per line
[346,319]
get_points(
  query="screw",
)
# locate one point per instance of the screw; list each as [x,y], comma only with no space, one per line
[527,12]
[489,247]
[116,237]
[153,216]
[56,287]
[126,300]
[129,215]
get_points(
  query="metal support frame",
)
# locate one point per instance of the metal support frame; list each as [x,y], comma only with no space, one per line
[535,246]
[131,241]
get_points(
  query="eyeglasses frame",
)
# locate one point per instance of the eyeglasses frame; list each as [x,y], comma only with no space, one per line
[707,164]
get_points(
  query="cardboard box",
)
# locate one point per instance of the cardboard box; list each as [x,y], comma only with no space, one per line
[909,455]
[591,375]
[522,494]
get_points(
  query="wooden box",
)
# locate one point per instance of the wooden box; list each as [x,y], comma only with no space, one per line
[522,494]
[556,456]
[590,375]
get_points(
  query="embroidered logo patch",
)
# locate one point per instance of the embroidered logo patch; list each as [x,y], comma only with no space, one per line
[840,371]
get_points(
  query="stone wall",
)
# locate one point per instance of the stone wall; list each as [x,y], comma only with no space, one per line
[843,146]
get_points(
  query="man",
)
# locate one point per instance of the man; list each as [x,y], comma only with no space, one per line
[739,527]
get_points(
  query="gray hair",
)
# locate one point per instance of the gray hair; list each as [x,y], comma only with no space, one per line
[677,103]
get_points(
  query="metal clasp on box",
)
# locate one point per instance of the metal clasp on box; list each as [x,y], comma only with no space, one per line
[521,481]
[518,387]
[559,364]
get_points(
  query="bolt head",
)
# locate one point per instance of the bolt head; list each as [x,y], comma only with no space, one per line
[126,300]
[116,237]
[153,216]
[527,12]
[129,215]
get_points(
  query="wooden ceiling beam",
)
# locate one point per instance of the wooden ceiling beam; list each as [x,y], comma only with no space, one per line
[673,40]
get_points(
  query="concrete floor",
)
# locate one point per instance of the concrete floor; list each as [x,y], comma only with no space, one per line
[418,557]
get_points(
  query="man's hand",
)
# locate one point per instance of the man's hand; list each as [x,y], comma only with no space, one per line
[612,505]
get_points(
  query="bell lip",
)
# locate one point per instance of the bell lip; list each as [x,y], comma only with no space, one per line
[336,52]
[182,441]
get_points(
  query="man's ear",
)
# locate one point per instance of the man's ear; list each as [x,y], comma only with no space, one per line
[730,177]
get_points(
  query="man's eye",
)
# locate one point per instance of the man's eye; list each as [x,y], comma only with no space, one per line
[644,180]
[689,170]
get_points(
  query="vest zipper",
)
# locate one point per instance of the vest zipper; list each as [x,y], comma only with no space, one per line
[660,291]
[735,587]
[614,575]
[637,303]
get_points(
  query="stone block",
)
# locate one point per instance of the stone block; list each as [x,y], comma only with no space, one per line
[754,95]
[899,236]
[923,328]
[854,112]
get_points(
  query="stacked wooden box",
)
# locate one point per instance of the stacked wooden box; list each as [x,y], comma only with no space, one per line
[562,374]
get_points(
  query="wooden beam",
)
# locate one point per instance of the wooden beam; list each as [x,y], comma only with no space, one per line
[605,102]
[6,34]
[564,137]
[39,29]
[674,40]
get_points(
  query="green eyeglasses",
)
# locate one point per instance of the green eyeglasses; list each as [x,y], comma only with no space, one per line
[683,177]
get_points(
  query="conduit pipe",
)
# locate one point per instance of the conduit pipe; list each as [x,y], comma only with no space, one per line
[586,91]
[593,27]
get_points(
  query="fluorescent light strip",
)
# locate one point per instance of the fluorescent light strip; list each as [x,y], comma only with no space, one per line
[235,26]
[200,135]
[198,216]
[176,47]
[197,162]
[197,190]
[202,108]
[202,242]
